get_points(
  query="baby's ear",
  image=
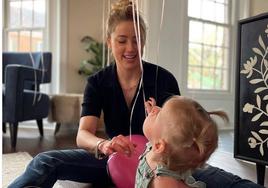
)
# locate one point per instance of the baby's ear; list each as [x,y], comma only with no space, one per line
[159,146]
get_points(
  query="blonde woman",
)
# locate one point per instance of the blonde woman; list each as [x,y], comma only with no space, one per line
[112,90]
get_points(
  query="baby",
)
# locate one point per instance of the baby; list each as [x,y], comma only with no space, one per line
[182,136]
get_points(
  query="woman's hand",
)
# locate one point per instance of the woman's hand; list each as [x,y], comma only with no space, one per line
[150,104]
[119,143]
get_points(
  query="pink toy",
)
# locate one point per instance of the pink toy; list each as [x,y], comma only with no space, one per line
[122,168]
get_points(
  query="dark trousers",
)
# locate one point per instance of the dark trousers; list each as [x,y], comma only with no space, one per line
[217,178]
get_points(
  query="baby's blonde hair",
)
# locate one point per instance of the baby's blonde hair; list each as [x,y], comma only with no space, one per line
[188,125]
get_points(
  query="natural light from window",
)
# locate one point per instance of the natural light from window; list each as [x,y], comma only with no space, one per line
[26,25]
[208,50]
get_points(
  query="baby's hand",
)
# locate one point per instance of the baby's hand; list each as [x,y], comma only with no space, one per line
[150,104]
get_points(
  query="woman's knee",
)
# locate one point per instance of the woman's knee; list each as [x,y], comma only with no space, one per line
[45,160]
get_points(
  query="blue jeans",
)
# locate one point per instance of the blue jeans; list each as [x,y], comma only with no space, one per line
[78,165]
[75,165]
[216,177]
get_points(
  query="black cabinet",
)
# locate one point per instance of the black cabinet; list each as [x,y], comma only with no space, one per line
[251,124]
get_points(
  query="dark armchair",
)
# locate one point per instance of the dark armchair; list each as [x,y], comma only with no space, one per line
[22,100]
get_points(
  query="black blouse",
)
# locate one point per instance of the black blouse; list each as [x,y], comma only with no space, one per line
[103,92]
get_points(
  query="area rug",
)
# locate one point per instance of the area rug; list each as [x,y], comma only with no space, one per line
[14,164]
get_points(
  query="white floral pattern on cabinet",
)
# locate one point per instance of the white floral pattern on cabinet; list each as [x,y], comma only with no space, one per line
[258,139]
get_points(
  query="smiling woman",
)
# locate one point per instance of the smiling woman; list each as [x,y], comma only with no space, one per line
[104,92]
[124,47]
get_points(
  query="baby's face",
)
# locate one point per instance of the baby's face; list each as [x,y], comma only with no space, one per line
[155,123]
[151,123]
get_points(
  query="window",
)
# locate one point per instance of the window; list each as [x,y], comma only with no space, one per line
[25,25]
[208,44]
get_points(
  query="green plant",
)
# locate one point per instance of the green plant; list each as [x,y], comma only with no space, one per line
[95,61]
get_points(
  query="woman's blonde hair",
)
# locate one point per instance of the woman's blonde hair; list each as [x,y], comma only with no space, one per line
[122,10]
[189,125]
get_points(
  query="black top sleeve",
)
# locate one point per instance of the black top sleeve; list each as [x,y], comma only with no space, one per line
[91,103]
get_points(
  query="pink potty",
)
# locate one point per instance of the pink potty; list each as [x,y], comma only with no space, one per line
[122,169]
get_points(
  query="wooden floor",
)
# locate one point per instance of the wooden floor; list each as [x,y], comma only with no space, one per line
[29,140]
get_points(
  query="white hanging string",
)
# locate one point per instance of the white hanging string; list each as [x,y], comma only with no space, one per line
[108,54]
[139,48]
[35,76]
[138,38]
[158,45]
[135,14]
[103,35]
[43,72]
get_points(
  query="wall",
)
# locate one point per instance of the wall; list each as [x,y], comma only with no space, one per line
[84,18]
[258,7]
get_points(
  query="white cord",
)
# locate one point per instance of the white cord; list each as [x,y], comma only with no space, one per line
[158,46]
[35,76]
[138,39]
[108,54]
[103,36]
[43,73]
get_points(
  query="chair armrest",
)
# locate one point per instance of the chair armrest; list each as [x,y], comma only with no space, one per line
[25,72]
[15,77]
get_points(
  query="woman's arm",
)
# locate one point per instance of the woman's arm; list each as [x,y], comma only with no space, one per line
[86,139]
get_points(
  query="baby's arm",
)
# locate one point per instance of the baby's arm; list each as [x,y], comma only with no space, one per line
[166,181]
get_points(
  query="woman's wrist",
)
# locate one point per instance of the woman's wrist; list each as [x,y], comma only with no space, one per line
[98,153]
